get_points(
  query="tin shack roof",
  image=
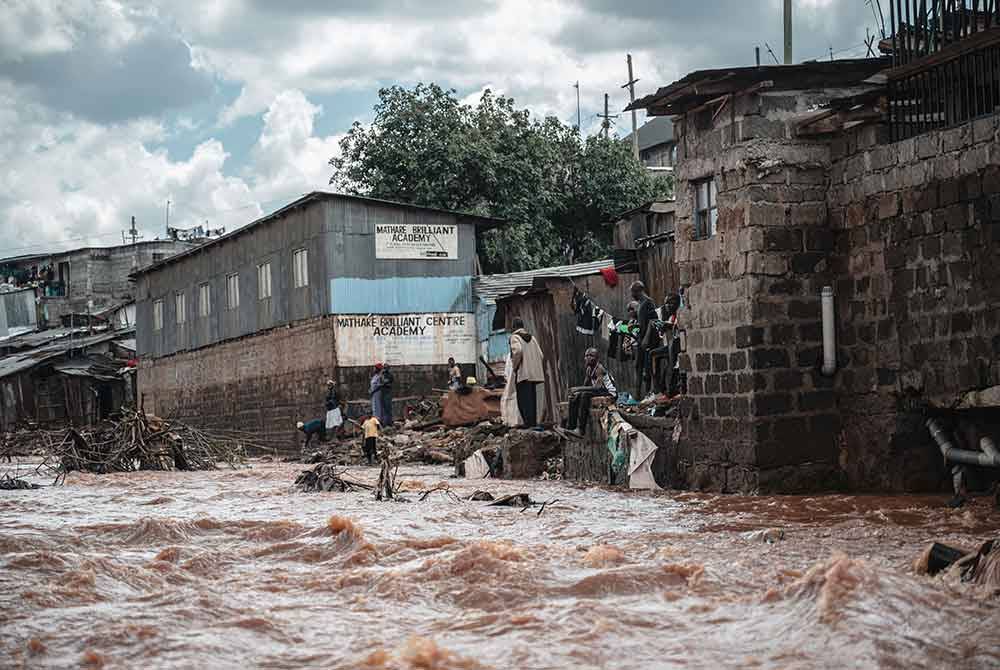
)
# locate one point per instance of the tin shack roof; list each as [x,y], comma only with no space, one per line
[490,288]
[26,360]
[485,222]
[702,86]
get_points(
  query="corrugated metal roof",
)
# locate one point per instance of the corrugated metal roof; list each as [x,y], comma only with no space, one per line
[658,130]
[490,287]
[26,360]
[485,222]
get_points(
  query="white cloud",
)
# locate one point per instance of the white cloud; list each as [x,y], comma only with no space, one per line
[72,183]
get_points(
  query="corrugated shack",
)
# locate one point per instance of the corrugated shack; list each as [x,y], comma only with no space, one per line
[243,331]
[544,299]
[62,376]
[648,232]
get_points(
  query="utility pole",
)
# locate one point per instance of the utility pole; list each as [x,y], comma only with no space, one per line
[606,124]
[756,54]
[788,32]
[168,219]
[579,122]
[630,84]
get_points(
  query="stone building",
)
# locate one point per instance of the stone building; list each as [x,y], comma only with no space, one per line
[243,331]
[847,175]
[90,279]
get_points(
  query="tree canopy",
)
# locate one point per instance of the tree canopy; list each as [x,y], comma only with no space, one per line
[556,189]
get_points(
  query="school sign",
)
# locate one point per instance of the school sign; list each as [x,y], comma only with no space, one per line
[416,241]
[405,339]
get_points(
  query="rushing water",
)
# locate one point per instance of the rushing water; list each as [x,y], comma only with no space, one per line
[232,569]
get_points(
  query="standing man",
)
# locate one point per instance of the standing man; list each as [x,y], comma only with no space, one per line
[385,418]
[597,383]
[527,364]
[645,314]
[454,375]
[334,415]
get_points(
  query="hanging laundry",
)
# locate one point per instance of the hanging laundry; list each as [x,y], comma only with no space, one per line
[610,276]
[588,315]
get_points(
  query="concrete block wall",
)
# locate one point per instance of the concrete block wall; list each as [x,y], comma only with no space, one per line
[758,415]
[261,384]
[917,227]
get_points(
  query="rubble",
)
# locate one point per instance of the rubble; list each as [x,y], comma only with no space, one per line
[130,442]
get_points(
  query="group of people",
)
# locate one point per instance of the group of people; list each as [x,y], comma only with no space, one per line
[379,390]
[42,277]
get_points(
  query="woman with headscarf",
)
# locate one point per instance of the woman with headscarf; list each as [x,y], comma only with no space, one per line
[375,391]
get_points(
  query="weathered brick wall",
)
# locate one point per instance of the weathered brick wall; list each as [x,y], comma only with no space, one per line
[262,384]
[918,297]
[758,415]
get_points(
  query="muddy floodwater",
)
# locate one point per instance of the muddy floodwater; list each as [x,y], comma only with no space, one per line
[231,569]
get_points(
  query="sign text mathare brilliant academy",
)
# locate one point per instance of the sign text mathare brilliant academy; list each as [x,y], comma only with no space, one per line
[401,326]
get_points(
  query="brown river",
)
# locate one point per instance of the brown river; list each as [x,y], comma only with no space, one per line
[231,569]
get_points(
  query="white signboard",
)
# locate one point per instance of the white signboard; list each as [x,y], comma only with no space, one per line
[416,241]
[405,339]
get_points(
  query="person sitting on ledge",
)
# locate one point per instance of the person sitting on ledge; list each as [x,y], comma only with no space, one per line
[598,383]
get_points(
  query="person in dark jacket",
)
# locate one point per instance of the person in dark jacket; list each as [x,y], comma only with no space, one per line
[597,383]
[310,428]
[387,380]
[645,314]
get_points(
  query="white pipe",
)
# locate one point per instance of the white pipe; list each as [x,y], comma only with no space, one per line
[829,333]
[955,455]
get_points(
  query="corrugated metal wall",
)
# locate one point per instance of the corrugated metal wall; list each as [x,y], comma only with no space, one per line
[339,235]
[401,295]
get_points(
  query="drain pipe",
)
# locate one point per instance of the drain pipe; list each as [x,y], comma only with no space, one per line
[989,457]
[829,333]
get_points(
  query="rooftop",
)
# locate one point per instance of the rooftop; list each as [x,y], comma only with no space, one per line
[656,131]
[483,221]
[489,288]
[702,86]
[58,254]
[26,360]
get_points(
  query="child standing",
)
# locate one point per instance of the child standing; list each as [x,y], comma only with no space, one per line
[371,426]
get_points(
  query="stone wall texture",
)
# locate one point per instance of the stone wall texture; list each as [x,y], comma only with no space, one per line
[906,235]
[261,384]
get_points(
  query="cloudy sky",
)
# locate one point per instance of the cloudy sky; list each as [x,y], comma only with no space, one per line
[230,108]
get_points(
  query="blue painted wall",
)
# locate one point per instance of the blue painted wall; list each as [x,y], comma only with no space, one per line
[400,295]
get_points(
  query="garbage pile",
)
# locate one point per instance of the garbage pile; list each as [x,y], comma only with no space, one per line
[131,441]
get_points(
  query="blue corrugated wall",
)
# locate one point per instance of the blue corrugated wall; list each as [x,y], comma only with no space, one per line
[401,295]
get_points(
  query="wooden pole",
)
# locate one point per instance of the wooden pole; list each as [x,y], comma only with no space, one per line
[631,97]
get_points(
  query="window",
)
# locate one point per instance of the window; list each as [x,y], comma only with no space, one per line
[232,291]
[180,307]
[204,299]
[263,281]
[706,213]
[300,267]
[157,315]
[157,257]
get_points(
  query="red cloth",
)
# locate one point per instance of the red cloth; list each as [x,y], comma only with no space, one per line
[610,276]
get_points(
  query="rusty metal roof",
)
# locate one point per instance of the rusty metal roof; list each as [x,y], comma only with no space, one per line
[26,360]
[702,86]
[490,288]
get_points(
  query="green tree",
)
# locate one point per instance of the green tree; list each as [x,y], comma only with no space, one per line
[556,190]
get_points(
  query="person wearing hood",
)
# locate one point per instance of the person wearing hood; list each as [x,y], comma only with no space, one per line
[527,381]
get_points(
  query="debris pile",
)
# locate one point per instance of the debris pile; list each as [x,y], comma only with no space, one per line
[130,442]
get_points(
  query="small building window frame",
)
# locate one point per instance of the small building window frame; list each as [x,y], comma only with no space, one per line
[204,299]
[706,208]
[180,307]
[300,268]
[264,281]
[158,315]
[233,291]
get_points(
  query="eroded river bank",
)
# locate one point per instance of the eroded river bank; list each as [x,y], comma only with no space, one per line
[232,569]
